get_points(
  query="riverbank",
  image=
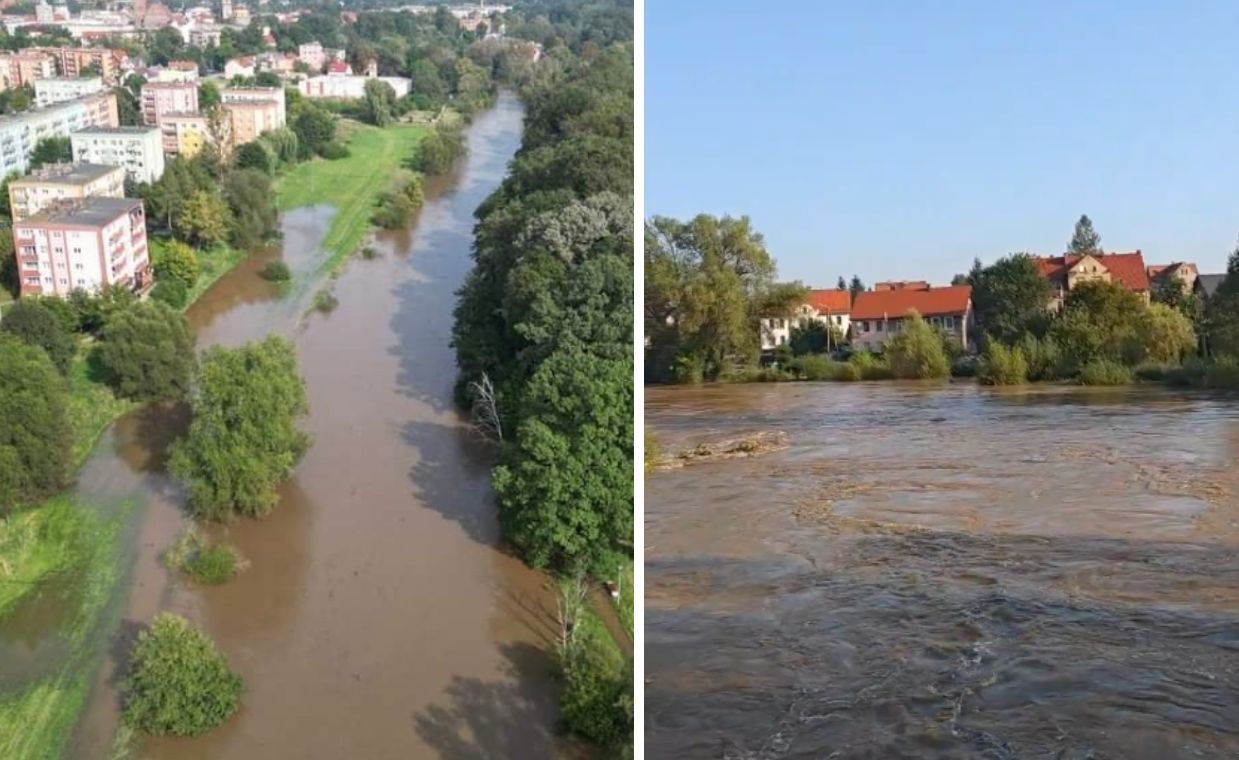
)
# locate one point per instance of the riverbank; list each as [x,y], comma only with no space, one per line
[71,537]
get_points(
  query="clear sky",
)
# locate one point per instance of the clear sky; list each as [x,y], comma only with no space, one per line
[899,140]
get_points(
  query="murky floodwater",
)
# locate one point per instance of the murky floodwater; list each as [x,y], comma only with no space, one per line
[951,572]
[376,618]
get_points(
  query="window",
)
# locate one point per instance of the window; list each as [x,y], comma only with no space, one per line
[864,326]
[881,326]
[950,323]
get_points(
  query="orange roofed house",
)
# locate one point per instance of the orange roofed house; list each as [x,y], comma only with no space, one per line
[879,314]
[1066,272]
[832,307]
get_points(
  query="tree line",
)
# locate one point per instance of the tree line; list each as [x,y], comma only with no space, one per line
[543,339]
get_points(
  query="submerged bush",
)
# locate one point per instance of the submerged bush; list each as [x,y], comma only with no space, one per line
[1105,372]
[206,564]
[276,271]
[1002,365]
[1223,374]
[917,351]
[1042,356]
[815,367]
[178,682]
[868,366]
[325,301]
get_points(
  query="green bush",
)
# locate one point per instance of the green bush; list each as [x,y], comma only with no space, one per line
[35,324]
[1042,356]
[1151,372]
[276,271]
[178,682]
[325,301]
[1002,365]
[206,564]
[1223,374]
[850,372]
[815,367]
[171,291]
[335,150]
[965,365]
[369,252]
[869,366]
[392,211]
[1105,372]
[35,435]
[148,352]
[593,690]
[916,352]
[177,261]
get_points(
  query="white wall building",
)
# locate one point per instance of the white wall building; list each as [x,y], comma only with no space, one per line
[138,149]
[60,182]
[20,132]
[60,89]
[348,86]
[84,244]
[828,307]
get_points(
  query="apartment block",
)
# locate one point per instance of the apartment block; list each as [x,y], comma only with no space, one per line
[138,149]
[63,182]
[17,69]
[72,61]
[90,244]
[184,134]
[160,98]
[50,90]
[270,95]
[252,111]
[20,132]
[348,86]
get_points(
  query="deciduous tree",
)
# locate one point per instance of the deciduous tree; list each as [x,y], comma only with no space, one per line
[148,352]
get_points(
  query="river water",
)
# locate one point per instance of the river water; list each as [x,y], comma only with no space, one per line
[944,572]
[376,618]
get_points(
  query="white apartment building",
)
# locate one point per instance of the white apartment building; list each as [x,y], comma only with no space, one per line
[20,132]
[348,86]
[138,149]
[60,182]
[87,244]
[60,89]
[272,95]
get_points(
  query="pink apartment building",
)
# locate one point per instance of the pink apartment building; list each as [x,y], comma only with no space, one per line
[159,98]
[91,244]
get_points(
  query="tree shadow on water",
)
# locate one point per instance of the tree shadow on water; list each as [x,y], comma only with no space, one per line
[512,716]
[451,476]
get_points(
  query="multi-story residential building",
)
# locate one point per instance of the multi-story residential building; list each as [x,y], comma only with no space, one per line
[58,182]
[1181,272]
[312,55]
[829,307]
[89,244]
[138,149]
[252,111]
[73,61]
[205,35]
[184,134]
[159,98]
[242,66]
[50,90]
[22,68]
[879,314]
[1067,271]
[348,86]
[21,132]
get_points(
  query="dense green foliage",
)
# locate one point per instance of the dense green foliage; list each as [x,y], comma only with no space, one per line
[1002,365]
[197,558]
[597,689]
[50,150]
[315,129]
[439,150]
[178,683]
[917,351]
[172,292]
[177,261]
[243,440]
[147,351]
[37,324]
[1105,372]
[35,437]
[1084,240]
[1222,313]
[815,337]
[276,271]
[1009,297]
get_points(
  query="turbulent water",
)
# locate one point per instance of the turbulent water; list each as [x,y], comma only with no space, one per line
[375,618]
[944,573]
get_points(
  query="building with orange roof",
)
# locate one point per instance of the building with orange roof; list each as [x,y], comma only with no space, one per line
[829,307]
[1182,272]
[879,314]
[1067,271]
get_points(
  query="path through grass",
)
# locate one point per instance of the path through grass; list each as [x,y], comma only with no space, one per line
[350,184]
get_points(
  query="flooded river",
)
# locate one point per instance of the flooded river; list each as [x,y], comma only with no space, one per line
[945,572]
[376,618]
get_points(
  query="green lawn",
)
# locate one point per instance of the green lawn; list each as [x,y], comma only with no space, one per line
[350,184]
[215,263]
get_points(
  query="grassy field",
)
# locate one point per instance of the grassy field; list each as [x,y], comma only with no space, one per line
[350,184]
[215,263]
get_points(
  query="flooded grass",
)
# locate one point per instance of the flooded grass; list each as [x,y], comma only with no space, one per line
[92,406]
[350,184]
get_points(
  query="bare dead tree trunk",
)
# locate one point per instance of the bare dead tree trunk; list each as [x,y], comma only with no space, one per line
[486,408]
[570,601]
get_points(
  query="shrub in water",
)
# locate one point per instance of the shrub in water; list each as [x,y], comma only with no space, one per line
[206,564]
[815,367]
[869,366]
[1002,365]
[178,682]
[917,352]
[325,300]
[1105,372]
[1223,374]
[369,252]
[1042,357]
[276,271]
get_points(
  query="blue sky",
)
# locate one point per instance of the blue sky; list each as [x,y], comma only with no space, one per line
[899,140]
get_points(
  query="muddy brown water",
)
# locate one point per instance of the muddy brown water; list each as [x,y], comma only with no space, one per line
[376,617]
[945,572]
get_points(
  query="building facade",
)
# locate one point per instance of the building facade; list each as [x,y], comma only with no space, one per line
[877,315]
[348,86]
[73,61]
[138,149]
[86,244]
[252,111]
[18,69]
[828,307]
[20,132]
[184,134]
[1068,271]
[159,98]
[61,182]
[50,90]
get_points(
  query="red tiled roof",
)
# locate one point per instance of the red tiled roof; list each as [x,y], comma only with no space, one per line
[902,285]
[1126,269]
[832,301]
[338,66]
[894,304]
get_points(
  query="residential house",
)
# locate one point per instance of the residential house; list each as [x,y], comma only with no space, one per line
[830,307]
[312,55]
[1067,271]
[879,314]
[50,90]
[22,68]
[239,67]
[20,132]
[252,111]
[90,243]
[178,71]
[160,98]
[138,149]
[58,182]
[1181,272]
